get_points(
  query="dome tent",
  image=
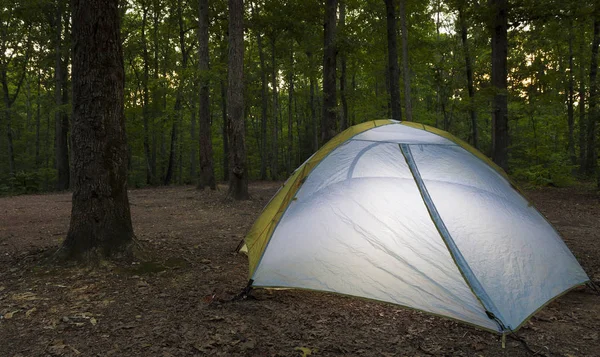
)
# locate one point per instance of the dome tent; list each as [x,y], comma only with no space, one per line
[408,214]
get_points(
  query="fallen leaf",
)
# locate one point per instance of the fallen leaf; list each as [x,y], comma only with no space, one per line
[304,350]
[93,321]
[9,315]
[30,311]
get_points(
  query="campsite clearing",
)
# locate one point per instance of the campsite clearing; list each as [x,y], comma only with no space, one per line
[166,307]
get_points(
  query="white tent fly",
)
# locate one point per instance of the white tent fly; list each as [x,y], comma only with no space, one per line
[407,214]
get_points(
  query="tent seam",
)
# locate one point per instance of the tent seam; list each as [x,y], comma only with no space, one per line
[461,263]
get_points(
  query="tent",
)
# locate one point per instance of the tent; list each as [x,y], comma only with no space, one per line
[408,214]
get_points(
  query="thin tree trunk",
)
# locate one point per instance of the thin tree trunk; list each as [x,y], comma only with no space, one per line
[61,120]
[224,131]
[150,173]
[329,124]
[194,139]
[407,95]
[290,141]
[581,106]
[263,108]
[37,122]
[343,65]
[499,82]
[207,173]
[469,72]
[570,101]
[275,152]
[8,119]
[238,175]
[313,109]
[591,158]
[100,218]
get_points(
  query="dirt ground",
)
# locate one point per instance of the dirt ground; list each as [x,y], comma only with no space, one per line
[165,307]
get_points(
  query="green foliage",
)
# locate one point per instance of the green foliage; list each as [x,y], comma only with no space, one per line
[292,45]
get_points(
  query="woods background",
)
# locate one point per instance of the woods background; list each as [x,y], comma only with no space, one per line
[442,78]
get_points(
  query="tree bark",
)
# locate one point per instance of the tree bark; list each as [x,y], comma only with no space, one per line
[263,107]
[38,161]
[238,174]
[591,157]
[393,70]
[207,173]
[329,124]
[343,70]
[61,119]
[194,139]
[499,82]
[407,95]
[313,109]
[570,101]
[581,106]
[150,173]
[100,223]
[290,141]
[274,84]
[225,130]
[469,72]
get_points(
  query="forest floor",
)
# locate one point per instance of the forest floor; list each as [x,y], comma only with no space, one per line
[165,308]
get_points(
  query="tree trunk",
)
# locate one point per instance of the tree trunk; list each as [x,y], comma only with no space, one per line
[343,68]
[290,141]
[313,109]
[591,158]
[263,108]
[150,173]
[178,105]
[570,101]
[8,119]
[407,96]
[61,120]
[581,106]
[328,126]
[224,131]
[274,84]
[469,72]
[194,139]
[38,161]
[238,174]
[499,82]
[207,173]
[393,70]
[100,218]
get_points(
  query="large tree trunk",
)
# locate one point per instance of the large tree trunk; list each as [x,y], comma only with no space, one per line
[591,158]
[207,173]
[393,70]
[61,120]
[263,108]
[499,82]
[469,72]
[238,174]
[329,124]
[406,69]
[100,218]
[343,70]
[570,101]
